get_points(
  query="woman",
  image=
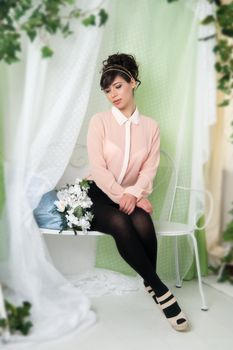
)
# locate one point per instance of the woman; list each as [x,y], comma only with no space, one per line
[123,149]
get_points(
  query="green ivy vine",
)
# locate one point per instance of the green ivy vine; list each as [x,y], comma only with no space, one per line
[17,318]
[40,18]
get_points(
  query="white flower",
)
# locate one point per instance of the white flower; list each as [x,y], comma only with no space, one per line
[63,195]
[87,203]
[73,219]
[84,223]
[71,189]
[88,216]
[61,206]
[73,201]
[77,181]
[77,190]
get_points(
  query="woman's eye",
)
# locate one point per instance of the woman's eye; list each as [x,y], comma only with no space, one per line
[118,87]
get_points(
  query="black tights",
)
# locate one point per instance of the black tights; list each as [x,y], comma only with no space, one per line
[134,235]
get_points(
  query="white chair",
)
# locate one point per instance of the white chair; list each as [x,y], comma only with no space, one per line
[169,227]
[163,228]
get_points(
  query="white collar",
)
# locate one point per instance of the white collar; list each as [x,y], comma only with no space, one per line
[121,118]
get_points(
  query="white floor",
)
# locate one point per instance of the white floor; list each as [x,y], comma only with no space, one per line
[134,321]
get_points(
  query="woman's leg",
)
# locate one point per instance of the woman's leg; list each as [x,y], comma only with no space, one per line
[144,226]
[111,220]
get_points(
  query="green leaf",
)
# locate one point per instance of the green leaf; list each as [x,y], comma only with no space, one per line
[207,37]
[216,48]
[17,317]
[89,20]
[3,323]
[75,13]
[85,183]
[228,233]
[103,17]
[52,25]
[71,2]
[17,16]
[208,19]
[46,51]
[25,327]
[228,32]
[31,34]
[224,103]
[218,67]
[78,212]
[66,30]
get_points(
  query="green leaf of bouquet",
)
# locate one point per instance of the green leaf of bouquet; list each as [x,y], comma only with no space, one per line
[78,212]
[85,184]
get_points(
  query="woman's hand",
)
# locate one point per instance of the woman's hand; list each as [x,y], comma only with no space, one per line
[145,204]
[127,203]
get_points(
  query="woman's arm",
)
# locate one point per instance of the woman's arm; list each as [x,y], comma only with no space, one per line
[144,184]
[101,175]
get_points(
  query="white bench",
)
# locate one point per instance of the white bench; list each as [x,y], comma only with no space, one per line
[166,228]
[69,232]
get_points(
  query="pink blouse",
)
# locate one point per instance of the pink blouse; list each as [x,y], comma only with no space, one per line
[123,153]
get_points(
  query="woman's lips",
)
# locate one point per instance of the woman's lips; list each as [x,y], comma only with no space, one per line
[117,101]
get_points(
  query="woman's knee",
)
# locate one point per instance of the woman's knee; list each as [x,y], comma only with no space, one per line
[121,221]
[141,215]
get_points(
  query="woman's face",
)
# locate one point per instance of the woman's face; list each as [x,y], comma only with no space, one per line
[120,92]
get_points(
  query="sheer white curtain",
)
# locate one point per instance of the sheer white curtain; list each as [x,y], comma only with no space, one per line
[46,102]
[205,101]
[184,109]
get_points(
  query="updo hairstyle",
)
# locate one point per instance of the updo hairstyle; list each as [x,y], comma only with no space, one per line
[120,64]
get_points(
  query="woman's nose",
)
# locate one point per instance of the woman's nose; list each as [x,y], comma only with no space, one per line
[113,94]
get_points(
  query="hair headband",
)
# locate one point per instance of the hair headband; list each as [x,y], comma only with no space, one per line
[121,69]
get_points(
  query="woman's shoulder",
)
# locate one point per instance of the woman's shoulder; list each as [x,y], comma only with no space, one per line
[99,117]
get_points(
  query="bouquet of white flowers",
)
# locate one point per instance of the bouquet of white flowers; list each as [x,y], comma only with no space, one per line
[74,205]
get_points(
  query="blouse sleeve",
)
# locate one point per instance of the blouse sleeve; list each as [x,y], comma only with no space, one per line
[144,184]
[101,175]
